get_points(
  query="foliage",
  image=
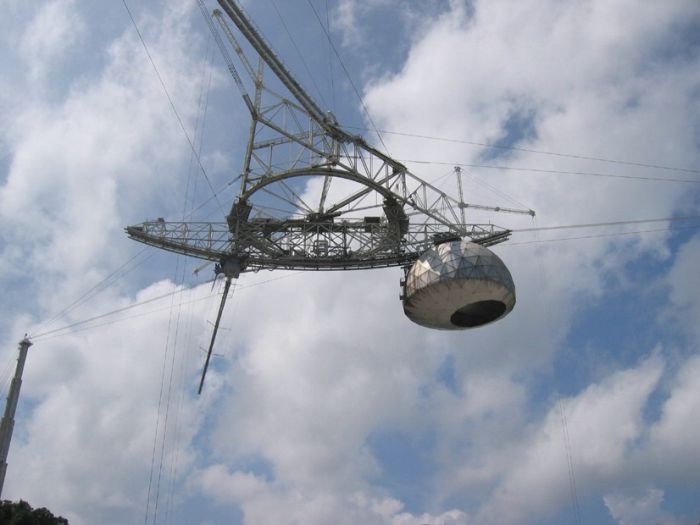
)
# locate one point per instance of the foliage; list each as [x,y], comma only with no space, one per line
[21,513]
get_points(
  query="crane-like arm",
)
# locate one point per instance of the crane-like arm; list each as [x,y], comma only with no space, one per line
[275,64]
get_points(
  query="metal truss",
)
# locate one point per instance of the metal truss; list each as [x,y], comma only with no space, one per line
[371,242]
[312,196]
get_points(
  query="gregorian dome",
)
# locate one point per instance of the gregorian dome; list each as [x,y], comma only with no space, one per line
[457,285]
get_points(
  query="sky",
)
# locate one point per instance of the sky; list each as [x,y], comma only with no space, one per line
[324,403]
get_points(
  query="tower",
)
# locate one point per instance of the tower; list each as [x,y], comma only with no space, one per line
[8,419]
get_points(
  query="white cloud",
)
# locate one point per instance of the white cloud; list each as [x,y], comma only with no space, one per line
[318,365]
[267,502]
[346,18]
[55,28]
[317,396]
[86,448]
[82,167]
[673,445]
[603,422]
[684,281]
[320,386]
[631,510]
[354,20]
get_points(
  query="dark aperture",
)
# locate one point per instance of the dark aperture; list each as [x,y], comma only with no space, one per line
[476,314]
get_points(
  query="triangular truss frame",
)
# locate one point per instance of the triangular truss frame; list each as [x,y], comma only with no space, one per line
[290,141]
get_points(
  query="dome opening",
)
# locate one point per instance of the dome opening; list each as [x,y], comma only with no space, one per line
[476,314]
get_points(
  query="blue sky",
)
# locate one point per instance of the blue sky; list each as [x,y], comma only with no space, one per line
[326,405]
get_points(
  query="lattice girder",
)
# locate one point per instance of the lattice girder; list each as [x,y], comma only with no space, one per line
[275,223]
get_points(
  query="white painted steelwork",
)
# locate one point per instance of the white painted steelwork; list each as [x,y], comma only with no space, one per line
[314,196]
[458,285]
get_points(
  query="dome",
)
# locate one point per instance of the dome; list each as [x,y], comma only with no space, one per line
[458,285]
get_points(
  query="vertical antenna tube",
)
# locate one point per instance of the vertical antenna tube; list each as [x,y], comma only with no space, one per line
[216,329]
[8,419]
[458,172]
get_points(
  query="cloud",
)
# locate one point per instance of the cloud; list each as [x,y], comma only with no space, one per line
[321,373]
[354,20]
[56,27]
[267,502]
[85,449]
[604,421]
[312,393]
[683,280]
[629,510]
[672,444]
[346,19]
[82,166]
[78,167]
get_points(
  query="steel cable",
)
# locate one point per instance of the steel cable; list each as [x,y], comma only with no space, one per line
[535,151]
[172,106]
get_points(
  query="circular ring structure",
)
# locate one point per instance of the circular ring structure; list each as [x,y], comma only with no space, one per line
[458,285]
[318,172]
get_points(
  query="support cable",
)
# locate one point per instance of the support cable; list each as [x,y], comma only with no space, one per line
[573,492]
[172,106]
[168,396]
[498,192]
[40,335]
[301,56]
[597,236]
[200,124]
[158,419]
[112,278]
[610,223]
[174,456]
[347,74]
[56,332]
[175,461]
[212,197]
[201,142]
[202,106]
[126,318]
[330,59]
[549,171]
[535,151]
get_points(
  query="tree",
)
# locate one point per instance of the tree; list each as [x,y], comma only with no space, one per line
[21,513]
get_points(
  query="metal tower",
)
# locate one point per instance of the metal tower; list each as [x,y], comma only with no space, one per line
[313,196]
[8,419]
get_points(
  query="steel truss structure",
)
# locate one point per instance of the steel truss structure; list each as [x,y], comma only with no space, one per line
[282,219]
[312,195]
